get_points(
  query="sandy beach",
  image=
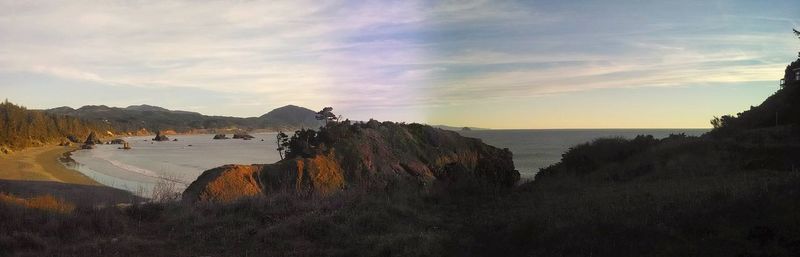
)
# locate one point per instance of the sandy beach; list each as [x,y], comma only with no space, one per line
[40,164]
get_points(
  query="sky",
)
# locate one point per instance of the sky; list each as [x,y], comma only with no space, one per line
[492,64]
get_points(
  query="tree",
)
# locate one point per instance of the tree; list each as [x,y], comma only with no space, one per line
[722,122]
[282,140]
[327,115]
[796,33]
[304,143]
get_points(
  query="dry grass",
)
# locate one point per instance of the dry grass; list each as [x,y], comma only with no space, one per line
[45,203]
[165,190]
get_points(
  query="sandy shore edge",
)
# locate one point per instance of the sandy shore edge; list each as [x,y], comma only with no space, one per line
[41,164]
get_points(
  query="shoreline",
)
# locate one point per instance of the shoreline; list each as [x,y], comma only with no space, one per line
[44,163]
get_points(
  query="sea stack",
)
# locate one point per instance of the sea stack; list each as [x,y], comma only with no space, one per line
[160,137]
[91,140]
[242,135]
[125,146]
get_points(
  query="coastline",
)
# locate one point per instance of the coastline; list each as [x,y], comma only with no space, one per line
[42,164]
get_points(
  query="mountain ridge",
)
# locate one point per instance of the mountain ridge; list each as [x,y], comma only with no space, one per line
[154,118]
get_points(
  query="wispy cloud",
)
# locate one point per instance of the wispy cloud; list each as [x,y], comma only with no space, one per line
[388,57]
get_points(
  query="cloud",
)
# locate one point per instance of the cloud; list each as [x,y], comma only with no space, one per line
[375,55]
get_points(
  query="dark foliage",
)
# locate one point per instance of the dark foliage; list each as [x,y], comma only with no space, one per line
[20,127]
[304,143]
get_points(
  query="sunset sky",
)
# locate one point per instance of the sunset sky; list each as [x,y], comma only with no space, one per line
[494,64]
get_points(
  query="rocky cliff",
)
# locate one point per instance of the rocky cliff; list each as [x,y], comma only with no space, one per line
[345,155]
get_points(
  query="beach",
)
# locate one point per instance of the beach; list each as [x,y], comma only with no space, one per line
[41,164]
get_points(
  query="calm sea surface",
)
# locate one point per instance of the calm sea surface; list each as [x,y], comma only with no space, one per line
[140,168]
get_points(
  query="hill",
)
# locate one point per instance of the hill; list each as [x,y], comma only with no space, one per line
[445,127]
[290,118]
[780,109]
[154,118]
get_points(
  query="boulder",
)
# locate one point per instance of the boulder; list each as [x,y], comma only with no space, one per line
[117,141]
[125,146]
[73,138]
[244,136]
[160,137]
[220,136]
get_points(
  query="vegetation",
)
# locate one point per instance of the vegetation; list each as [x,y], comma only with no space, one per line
[282,141]
[20,127]
[326,114]
[779,109]
[45,203]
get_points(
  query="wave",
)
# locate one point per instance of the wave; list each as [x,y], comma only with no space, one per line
[131,168]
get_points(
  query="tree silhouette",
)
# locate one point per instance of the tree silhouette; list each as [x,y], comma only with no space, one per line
[796,33]
[282,140]
[327,115]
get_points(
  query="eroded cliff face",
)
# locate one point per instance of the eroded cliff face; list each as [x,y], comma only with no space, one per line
[350,155]
[226,183]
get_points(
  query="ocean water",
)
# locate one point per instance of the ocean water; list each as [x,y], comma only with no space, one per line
[182,161]
[139,169]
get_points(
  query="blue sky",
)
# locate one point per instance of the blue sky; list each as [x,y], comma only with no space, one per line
[497,64]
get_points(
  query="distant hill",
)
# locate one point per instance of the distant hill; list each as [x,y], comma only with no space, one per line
[291,115]
[445,127]
[153,118]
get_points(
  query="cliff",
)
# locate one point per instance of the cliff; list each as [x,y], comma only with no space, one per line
[344,155]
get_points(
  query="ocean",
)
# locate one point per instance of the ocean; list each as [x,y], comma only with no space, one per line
[139,169]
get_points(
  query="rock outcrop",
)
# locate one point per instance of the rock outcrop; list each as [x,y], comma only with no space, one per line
[347,155]
[244,136]
[160,137]
[73,138]
[92,139]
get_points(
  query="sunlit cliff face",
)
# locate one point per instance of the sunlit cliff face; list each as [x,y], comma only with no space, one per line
[499,64]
